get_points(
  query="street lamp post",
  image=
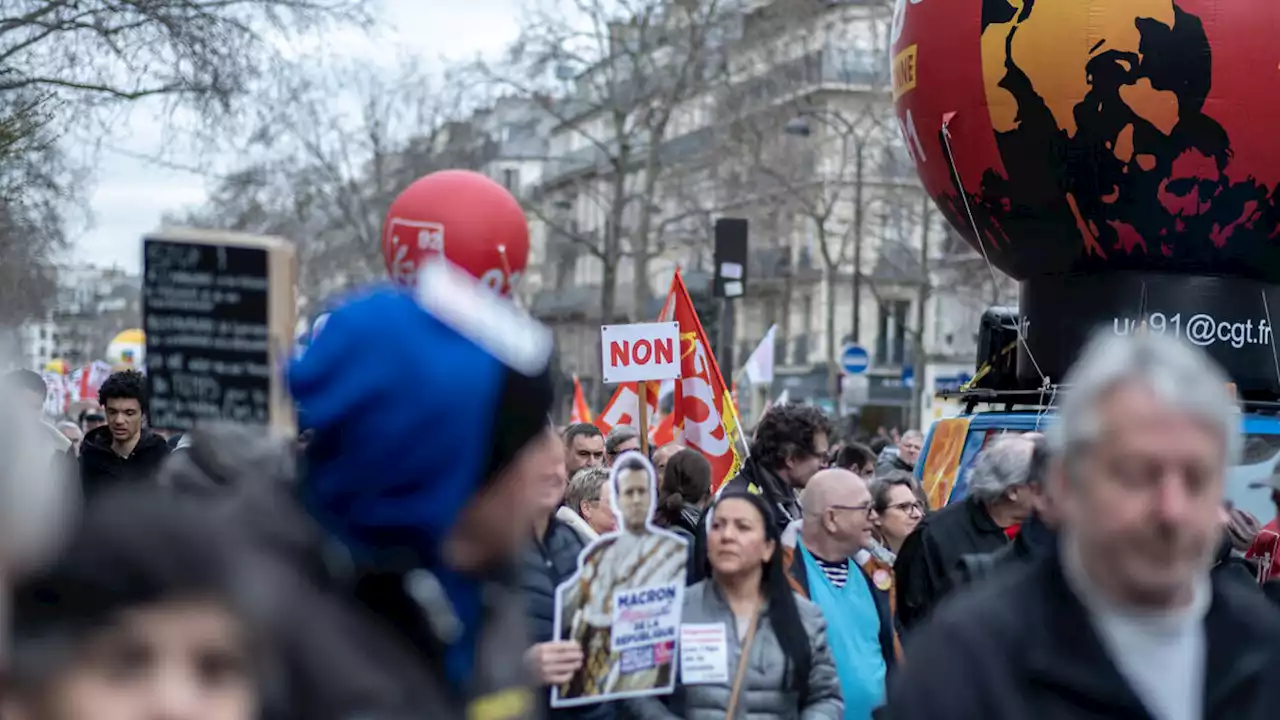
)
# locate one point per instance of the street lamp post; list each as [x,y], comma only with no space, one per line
[800,127]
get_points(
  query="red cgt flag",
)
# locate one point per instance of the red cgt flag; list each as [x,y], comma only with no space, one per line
[581,411]
[664,432]
[704,416]
[624,407]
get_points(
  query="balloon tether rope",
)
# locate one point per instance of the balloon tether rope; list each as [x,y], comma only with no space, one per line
[977,236]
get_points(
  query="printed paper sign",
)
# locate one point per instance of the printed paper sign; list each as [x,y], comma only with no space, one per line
[704,654]
[646,616]
[640,351]
[624,604]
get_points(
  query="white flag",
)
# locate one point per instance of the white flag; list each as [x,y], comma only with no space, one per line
[759,367]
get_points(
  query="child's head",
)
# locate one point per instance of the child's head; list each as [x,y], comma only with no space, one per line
[143,615]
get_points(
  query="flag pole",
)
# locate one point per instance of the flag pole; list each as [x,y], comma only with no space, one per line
[643,391]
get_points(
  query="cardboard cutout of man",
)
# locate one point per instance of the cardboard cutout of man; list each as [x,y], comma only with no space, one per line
[623,605]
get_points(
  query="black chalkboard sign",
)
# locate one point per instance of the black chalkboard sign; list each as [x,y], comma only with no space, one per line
[206,315]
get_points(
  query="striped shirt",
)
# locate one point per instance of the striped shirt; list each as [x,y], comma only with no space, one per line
[837,572]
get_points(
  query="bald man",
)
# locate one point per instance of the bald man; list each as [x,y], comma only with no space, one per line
[662,455]
[856,600]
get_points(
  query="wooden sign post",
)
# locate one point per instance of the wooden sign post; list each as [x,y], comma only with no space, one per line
[642,390]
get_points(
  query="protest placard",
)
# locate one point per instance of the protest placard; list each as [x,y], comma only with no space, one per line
[219,313]
[624,604]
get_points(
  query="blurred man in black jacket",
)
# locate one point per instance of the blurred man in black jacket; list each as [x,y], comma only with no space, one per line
[124,450]
[1125,620]
[931,557]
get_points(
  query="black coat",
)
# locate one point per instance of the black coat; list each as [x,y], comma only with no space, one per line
[686,526]
[1022,646]
[931,557]
[1228,566]
[891,464]
[373,649]
[101,467]
[350,637]
[1035,540]
[757,480]
[546,564]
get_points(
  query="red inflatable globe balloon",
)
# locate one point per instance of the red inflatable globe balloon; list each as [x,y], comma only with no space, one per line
[464,216]
[1119,157]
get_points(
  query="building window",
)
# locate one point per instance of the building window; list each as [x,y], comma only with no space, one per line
[511,179]
[891,336]
[800,349]
[770,313]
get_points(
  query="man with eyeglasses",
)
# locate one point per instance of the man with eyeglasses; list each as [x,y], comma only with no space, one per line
[791,444]
[819,554]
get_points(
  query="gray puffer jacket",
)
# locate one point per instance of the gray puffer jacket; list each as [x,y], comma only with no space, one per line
[762,691]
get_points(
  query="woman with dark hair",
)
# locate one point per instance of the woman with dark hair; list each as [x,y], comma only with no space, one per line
[145,613]
[685,492]
[777,660]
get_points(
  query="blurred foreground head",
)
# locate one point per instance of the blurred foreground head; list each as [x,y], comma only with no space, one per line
[145,614]
[39,490]
[1146,432]
[429,415]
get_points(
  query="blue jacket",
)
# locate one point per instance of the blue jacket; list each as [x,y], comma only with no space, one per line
[546,563]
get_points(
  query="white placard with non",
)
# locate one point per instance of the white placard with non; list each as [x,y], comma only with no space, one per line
[704,654]
[640,351]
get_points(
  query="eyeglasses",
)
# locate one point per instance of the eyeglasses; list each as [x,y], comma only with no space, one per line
[908,507]
[865,508]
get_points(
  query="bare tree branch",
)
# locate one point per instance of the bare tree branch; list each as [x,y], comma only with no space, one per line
[68,64]
[615,75]
[35,183]
[336,144]
[206,50]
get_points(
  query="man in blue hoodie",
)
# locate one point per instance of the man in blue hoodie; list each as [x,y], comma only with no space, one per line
[430,440]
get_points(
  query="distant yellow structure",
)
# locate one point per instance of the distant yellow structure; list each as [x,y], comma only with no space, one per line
[128,350]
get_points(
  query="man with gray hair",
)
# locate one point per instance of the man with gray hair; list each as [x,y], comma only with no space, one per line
[1125,619]
[903,456]
[1036,536]
[619,440]
[931,556]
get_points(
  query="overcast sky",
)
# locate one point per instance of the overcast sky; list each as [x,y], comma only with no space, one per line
[131,194]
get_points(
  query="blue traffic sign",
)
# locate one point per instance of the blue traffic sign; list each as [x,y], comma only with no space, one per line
[854,359]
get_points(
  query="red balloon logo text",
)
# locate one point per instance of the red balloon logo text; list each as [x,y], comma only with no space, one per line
[470,220]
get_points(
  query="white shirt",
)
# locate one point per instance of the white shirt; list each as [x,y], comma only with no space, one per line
[1160,654]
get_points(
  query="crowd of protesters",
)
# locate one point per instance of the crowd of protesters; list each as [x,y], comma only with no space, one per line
[402,561]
